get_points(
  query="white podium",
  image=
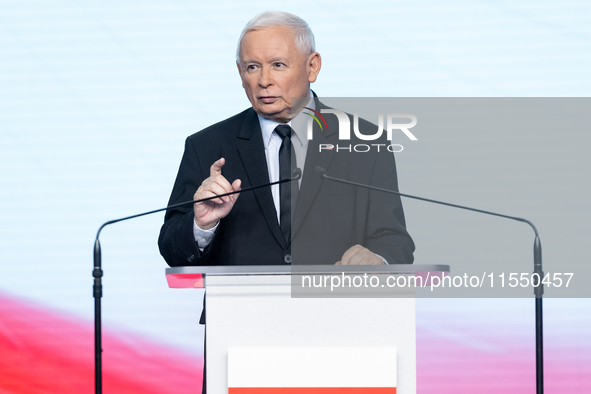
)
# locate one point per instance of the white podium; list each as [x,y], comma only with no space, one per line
[258,315]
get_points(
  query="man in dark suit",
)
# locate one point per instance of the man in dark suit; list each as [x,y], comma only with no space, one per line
[332,223]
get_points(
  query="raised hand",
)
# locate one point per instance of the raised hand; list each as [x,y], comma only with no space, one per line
[209,213]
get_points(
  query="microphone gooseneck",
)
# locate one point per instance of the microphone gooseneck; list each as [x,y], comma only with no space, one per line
[538,290]
[322,173]
[97,272]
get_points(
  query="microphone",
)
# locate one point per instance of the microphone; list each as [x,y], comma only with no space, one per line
[538,290]
[296,174]
[321,172]
[97,272]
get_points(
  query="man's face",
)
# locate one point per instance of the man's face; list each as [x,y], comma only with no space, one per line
[273,71]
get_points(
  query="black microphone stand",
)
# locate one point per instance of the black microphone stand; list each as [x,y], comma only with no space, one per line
[538,289]
[97,272]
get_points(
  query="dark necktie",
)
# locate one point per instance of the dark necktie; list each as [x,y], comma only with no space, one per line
[287,191]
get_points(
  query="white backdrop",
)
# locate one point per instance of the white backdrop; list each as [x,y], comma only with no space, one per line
[96,100]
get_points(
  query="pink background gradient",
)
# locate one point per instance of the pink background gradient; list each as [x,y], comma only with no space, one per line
[46,351]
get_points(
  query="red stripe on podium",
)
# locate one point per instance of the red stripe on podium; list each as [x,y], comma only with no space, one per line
[312,390]
[185,281]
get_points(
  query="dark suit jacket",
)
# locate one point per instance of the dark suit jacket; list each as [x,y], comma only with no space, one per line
[329,217]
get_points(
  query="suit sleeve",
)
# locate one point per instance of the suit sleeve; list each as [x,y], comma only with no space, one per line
[386,225]
[177,242]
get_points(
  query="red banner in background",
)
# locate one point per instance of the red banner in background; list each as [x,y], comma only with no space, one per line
[43,351]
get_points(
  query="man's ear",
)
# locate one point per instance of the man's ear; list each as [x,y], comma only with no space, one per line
[314,64]
[240,72]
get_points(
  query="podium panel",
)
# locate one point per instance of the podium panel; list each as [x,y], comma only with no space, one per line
[254,309]
[258,311]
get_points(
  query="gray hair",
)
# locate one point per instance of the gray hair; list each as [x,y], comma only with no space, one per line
[304,36]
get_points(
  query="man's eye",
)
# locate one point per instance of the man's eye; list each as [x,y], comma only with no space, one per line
[251,67]
[279,65]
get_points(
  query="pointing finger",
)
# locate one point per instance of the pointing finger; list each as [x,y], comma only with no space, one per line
[216,168]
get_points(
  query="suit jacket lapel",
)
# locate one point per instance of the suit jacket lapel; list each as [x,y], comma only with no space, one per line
[252,154]
[311,182]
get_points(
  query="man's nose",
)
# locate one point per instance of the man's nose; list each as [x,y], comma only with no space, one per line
[266,79]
